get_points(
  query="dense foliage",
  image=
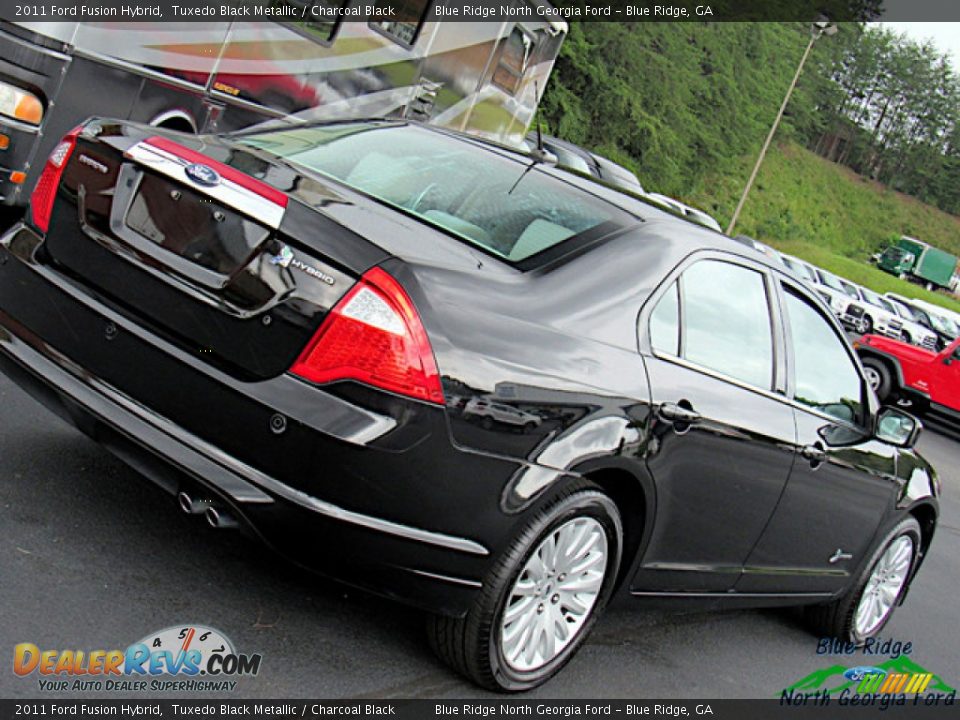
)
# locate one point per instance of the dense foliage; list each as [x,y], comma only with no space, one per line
[676,102]
[683,102]
[687,107]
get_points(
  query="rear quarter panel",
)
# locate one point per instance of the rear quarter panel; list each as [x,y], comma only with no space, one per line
[558,343]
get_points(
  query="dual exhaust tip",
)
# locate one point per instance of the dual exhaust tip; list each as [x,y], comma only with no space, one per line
[216,517]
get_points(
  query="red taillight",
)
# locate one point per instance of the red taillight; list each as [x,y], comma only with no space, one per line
[41,201]
[374,335]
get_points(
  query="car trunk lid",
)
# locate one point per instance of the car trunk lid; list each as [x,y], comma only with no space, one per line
[197,241]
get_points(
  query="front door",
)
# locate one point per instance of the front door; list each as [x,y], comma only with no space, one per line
[843,481]
[723,442]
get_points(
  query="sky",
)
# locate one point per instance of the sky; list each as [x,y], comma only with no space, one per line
[945,35]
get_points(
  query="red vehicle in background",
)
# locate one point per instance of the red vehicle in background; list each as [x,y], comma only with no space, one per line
[898,371]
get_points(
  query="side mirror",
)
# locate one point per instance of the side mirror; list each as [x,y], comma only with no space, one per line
[897,428]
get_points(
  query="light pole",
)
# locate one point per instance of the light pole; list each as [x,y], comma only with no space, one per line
[820,26]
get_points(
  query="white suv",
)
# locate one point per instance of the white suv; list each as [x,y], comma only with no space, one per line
[873,314]
[829,286]
[914,330]
[489,412]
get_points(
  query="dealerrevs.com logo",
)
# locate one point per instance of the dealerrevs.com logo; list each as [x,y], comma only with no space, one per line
[180,658]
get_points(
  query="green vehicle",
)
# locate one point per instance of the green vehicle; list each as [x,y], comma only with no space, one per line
[914,259]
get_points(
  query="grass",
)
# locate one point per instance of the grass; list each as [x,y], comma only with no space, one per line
[865,274]
[830,216]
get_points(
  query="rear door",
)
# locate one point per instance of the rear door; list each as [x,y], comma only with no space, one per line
[723,441]
[843,481]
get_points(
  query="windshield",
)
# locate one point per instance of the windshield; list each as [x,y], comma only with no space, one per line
[704,219]
[568,159]
[797,267]
[903,311]
[849,289]
[943,325]
[506,207]
[830,281]
[871,297]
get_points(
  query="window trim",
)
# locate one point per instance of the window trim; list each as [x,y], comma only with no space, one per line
[777,387]
[534,47]
[304,33]
[868,410]
[427,12]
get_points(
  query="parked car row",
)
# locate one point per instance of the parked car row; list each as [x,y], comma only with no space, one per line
[867,312]
[573,157]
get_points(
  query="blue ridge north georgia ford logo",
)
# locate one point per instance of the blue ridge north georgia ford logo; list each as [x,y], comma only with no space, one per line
[202,174]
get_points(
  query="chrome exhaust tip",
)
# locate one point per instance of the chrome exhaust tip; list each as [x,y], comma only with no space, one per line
[192,505]
[219,519]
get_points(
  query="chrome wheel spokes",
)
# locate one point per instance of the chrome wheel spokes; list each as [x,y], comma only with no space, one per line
[554,594]
[883,588]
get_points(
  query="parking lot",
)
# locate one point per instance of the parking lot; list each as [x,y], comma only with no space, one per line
[91,556]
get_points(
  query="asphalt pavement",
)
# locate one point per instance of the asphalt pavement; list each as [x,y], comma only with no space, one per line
[94,557]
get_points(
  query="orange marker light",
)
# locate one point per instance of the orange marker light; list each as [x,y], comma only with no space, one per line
[18,178]
[29,109]
[4,141]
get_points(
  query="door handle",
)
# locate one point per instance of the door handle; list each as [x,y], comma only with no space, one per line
[675,413]
[814,453]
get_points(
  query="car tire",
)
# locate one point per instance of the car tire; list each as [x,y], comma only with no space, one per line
[478,646]
[529,427]
[879,377]
[842,618]
[486,422]
[905,336]
[866,325]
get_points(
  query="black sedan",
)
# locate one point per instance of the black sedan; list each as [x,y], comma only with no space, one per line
[450,374]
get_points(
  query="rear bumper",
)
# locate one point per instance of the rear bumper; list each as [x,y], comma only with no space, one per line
[368,516]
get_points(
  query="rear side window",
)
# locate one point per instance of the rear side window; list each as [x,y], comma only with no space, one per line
[665,323]
[825,377]
[726,322]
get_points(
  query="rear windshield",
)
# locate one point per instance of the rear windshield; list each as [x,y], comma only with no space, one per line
[944,325]
[903,311]
[798,268]
[874,299]
[830,281]
[493,202]
[850,290]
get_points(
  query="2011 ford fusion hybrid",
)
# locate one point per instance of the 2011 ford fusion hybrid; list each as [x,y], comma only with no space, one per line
[452,374]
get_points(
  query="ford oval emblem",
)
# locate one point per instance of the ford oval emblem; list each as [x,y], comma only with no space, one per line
[202,174]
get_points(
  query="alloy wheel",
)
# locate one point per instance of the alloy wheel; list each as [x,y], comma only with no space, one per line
[873,377]
[554,594]
[883,588]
